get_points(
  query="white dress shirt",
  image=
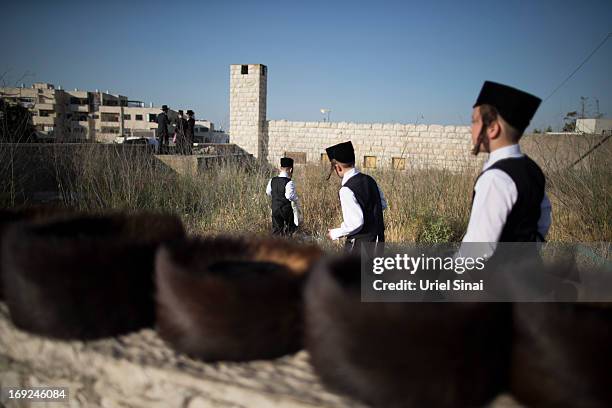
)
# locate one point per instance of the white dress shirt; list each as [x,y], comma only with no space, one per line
[495,196]
[352,214]
[290,191]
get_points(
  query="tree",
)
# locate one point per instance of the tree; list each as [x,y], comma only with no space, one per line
[15,123]
[570,121]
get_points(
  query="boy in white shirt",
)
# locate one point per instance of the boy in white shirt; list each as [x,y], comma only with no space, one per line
[361,200]
[284,199]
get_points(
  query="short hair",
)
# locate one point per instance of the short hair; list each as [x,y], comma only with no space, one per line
[343,165]
[489,113]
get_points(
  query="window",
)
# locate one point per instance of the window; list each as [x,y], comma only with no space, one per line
[298,157]
[324,158]
[110,130]
[138,117]
[398,163]
[110,117]
[244,69]
[127,117]
[369,162]
[152,117]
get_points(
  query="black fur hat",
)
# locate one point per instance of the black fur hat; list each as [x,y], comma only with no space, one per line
[341,152]
[286,162]
[9,216]
[562,354]
[403,354]
[515,106]
[84,277]
[232,299]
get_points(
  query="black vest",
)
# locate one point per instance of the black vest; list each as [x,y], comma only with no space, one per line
[279,201]
[368,197]
[522,222]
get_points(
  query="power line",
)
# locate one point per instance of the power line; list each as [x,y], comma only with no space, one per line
[580,66]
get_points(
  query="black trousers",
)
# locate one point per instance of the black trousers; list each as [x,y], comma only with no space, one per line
[282,221]
[163,143]
[353,245]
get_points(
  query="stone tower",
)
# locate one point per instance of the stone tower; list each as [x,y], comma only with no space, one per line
[248,94]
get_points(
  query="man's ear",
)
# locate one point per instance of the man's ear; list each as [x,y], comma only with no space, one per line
[494,130]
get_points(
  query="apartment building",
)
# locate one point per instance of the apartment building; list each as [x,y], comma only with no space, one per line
[72,116]
[46,104]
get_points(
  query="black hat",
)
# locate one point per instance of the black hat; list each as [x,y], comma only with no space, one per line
[342,152]
[422,350]
[96,254]
[286,162]
[241,297]
[164,107]
[180,111]
[515,106]
[190,112]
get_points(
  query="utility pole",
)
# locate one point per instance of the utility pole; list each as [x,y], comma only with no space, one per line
[583,100]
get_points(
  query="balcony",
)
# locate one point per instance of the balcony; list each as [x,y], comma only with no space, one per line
[45,106]
[44,120]
[79,108]
[110,109]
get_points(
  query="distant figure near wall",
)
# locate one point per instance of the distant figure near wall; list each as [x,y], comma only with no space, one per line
[189,131]
[180,133]
[162,130]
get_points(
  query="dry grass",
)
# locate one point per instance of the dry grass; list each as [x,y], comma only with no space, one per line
[424,206]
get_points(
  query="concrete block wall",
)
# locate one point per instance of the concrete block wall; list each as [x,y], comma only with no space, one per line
[421,146]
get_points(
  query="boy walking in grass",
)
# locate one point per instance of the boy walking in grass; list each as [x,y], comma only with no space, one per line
[284,199]
[361,200]
[509,203]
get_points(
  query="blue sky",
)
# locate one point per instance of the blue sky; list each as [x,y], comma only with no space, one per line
[379,61]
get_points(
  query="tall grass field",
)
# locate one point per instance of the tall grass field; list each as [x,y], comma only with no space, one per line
[424,205]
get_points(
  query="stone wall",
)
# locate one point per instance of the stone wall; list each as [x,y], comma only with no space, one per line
[560,151]
[388,145]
